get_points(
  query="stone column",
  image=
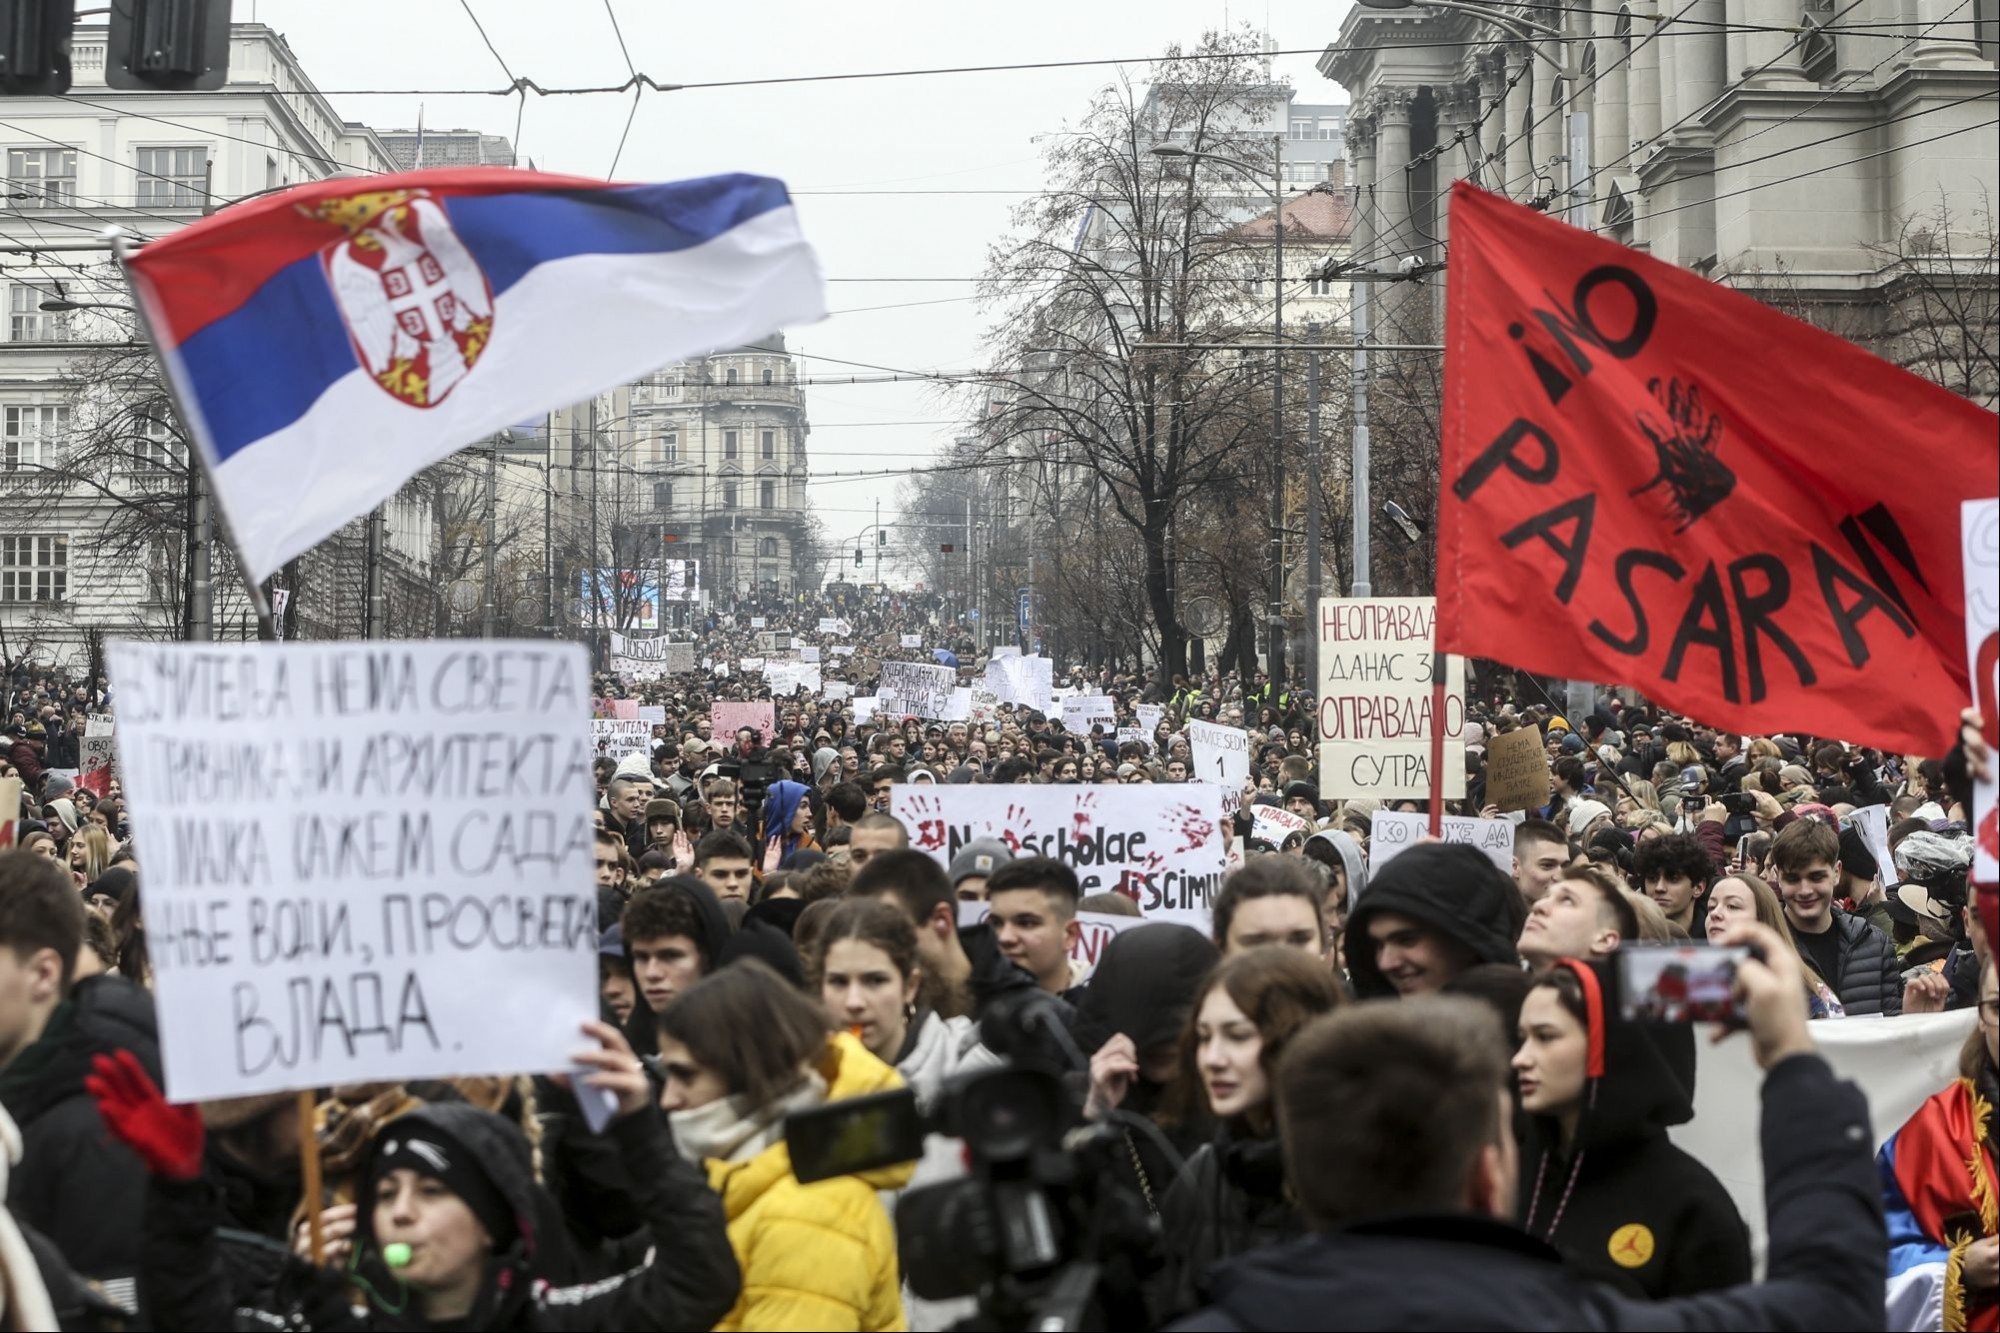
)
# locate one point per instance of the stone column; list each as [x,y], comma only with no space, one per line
[1492,83]
[1610,111]
[1457,108]
[1703,57]
[1550,133]
[1952,43]
[1392,174]
[1361,143]
[1644,84]
[1770,56]
[1667,44]
[1518,178]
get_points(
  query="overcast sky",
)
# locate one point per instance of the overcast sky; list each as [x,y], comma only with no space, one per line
[906,241]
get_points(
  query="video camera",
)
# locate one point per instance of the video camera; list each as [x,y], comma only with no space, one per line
[1031,1227]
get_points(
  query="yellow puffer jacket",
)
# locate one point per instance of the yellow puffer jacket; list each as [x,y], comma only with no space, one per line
[815,1256]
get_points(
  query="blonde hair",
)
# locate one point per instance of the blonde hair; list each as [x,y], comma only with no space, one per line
[1763,747]
[1682,754]
[98,849]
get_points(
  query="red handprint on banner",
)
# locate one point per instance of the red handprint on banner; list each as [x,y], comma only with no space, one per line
[1192,825]
[1086,812]
[1016,825]
[927,817]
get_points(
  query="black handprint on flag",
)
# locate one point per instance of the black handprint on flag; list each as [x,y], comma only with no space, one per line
[1685,447]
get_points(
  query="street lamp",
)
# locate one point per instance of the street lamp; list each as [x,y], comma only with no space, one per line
[62,305]
[1277,630]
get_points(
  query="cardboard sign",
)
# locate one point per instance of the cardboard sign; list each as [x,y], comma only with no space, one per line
[1082,712]
[729,716]
[1221,754]
[1162,846]
[920,689]
[1979,527]
[1375,700]
[1390,833]
[371,861]
[1517,770]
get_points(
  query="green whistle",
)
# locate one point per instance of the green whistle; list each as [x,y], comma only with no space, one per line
[396,1254]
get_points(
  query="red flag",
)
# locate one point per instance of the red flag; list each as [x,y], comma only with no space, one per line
[1652,480]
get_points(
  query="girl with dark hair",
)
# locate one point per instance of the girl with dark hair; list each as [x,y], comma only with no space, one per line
[742,1051]
[1231,1195]
[1599,1179]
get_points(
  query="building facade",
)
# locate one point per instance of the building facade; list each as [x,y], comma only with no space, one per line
[1766,143]
[96,536]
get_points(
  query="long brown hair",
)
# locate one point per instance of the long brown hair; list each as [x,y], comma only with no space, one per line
[751,1027]
[1278,988]
[872,921]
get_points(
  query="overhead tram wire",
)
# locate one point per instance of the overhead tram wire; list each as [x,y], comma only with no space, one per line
[515,85]
[638,89]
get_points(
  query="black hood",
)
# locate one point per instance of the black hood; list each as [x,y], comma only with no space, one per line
[1143,985]
[1648,1082]
[1450,887]
[498,1148]
[103,1014]
[715,927]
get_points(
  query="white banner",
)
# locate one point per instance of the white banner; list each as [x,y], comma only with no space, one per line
[1081,712]
[1979,530]
[1163,846]
[1375,700]
[620,736]
[912,640]
[920,689]
[1390,833]
[370,861]
[1026,682]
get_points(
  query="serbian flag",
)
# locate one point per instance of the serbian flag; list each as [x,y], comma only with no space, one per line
[1652,480]
[329,342]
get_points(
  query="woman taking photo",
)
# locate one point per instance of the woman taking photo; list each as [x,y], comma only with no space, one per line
[742,1050]
[1231,1195]
[1599,1179]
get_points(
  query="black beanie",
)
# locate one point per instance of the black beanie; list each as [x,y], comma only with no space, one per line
[429,1151]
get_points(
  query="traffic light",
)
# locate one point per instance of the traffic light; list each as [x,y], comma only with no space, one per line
[181,45]
[857,555]
[882,537]
[34,46]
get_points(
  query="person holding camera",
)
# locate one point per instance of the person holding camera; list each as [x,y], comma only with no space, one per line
[1397,1122]
[1599,1179]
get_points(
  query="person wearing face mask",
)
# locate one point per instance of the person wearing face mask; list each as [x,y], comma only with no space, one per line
[1231,1195]
[446,1234]
[742,1050]
[1599,1179]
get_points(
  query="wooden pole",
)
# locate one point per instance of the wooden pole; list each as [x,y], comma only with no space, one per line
[1437,743]
[309,1170]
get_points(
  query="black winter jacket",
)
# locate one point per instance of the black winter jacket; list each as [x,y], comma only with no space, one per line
[1871,976]
[1229,1199]
[1827,1267]
[690,1279]
[76,1184]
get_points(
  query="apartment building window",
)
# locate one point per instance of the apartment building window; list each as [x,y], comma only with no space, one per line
[27,322]
[28,436]
[663,495]
[728,445]
[729,375]
[34,569]
[770,548]
[172,177]
[153,445]
[769,445]
[729,495]
[767,376]
[1322,287]
[46,176]
[767,495]
[1302,129]
[670,449]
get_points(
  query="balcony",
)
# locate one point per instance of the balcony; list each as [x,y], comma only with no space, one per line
[746,393]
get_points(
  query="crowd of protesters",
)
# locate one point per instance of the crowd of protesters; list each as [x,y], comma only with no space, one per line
[1404,1097]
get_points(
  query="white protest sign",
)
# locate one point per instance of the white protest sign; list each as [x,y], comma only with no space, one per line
[843,650]
[1390,833]
[912,640]
[865,706]
[1081,712]
[649,658]
[1094,930]
[758,622]
[619,735]
[1130,736]
[1872,821]
[99,724]
[1269,823]
[835,691]
[370,862]
[653,715]
[1150,717]
[1163,846]
[729,716]
[1007,650]
[920,689]
[1221,754]
[833,625]
[1375,699]
[960,707]
[1979,528]
[809,654]
[1027,682]
[96,761]
[751,666]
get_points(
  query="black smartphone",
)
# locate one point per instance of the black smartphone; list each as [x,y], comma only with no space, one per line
[1680,983]
[858,1134]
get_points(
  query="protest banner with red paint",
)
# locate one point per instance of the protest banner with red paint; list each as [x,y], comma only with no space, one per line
[1162,846]
[1651,479]
[727,717]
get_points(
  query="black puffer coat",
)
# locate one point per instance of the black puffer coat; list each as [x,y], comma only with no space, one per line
[1870,976]
[1230,1199]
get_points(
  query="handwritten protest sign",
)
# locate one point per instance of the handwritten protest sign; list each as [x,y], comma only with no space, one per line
[1150,717]
[653,715]
[1026,682]
[808,653]
[626,709]
[1873,823]
[1081,712]
[758,622]
[865,707]
[96,757]
[911,640]
[1979,522]
[1094,930]
[1221,754]
[1517,770]
[959,709]
[836,691]
[649,658]
[833,625]
[1162,846]
[367,861]
[843,650]
[1269,823]
[619,735]
[1375,699]
[1390,833]
[920,690]
[730,716]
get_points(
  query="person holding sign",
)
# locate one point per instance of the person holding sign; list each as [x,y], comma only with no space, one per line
[446,1232]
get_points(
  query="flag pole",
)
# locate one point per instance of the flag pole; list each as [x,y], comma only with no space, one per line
[122,250]
[1437,741]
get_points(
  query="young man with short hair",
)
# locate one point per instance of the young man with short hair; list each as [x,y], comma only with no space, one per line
[723,860]
[918,885]
[1033,919]
[881,781]
[1270,899]
[1852,957]
[1582,916]
[1541,851]
[872,835]
[626,797]
[1397,1128]
[1674,870]
[670,944]
[846,804]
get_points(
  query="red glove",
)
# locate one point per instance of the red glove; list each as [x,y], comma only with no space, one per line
[167,1138]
